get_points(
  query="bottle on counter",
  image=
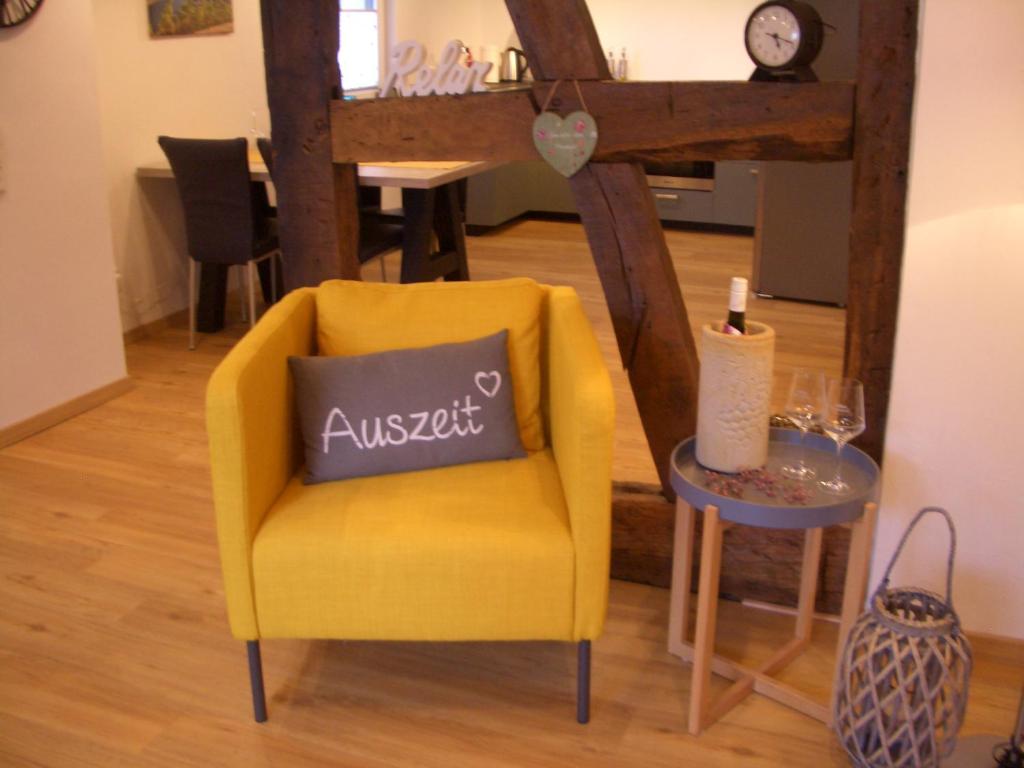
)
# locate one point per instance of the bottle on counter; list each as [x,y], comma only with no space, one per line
[611,63]
[736,323]
[623,67]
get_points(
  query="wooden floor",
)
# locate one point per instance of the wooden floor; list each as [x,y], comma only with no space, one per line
[115,651]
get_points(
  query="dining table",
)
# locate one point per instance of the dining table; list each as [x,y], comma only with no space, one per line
[433,214]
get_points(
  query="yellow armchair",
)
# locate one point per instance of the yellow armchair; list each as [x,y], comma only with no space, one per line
[505,550]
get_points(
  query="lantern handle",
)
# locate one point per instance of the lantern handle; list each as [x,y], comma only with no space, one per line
[949,564]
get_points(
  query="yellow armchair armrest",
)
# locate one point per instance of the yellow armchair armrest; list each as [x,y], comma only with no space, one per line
[254,443]
[581,422]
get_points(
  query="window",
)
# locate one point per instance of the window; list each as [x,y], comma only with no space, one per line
[359,49]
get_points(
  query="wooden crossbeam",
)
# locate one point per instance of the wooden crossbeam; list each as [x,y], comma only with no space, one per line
[624,232]
[639,122]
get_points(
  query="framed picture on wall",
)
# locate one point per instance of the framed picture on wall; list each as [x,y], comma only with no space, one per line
[172,18]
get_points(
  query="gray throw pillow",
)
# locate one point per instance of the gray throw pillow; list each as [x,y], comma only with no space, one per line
[406,409]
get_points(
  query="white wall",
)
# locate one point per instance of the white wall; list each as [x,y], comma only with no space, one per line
[59,332]
[202,87]
[956,417]
[676,39]
[664,39]
[435,23]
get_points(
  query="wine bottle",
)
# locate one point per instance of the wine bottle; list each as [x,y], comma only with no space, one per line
[736,324]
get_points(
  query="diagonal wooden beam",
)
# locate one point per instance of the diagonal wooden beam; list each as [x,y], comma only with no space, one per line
[640,285]
[625,236]
[647,122]
[559,38]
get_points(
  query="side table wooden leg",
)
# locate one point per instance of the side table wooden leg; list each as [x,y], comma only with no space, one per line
[857,566]
[808,583]
[707,615]
[682,567]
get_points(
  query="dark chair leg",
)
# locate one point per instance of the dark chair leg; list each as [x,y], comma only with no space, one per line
[583,682]
[259,701]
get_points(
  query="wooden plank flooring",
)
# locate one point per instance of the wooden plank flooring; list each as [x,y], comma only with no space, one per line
[115,651]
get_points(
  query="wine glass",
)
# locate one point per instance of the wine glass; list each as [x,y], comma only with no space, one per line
[804,407]
[843,420]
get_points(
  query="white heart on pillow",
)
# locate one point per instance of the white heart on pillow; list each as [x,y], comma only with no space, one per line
[488,382]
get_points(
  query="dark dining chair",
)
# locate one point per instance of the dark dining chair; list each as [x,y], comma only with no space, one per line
[379,233]
[225,220]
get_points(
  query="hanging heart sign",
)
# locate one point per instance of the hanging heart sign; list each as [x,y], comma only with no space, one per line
[565,144]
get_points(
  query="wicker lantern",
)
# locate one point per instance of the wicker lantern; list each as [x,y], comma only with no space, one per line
[902,679]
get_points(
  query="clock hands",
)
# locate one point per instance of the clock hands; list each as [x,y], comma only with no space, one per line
[779,39]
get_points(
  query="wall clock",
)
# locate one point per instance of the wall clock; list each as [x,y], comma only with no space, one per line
[783,37]
[14,12]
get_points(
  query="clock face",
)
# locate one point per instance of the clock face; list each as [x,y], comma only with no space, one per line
[13,12]
[773,36]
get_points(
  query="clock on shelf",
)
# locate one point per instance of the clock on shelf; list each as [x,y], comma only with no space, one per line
[14,12]
[783,38]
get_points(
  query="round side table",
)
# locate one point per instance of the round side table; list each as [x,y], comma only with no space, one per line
[856,510]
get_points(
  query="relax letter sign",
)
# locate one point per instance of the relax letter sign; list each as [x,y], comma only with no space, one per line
[450,77]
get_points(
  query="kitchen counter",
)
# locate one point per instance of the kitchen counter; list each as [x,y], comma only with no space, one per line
[502,194]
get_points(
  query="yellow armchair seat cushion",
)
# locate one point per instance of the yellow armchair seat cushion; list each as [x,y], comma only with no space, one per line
[479,551]
[355,318]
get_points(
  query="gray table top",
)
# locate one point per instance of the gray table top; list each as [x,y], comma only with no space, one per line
[757,509]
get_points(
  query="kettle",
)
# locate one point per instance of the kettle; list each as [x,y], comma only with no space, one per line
[513,65]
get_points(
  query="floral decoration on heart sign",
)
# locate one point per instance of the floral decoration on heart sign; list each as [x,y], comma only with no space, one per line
[566,144]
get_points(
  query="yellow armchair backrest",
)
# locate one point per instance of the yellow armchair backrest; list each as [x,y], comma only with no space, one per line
[355,318]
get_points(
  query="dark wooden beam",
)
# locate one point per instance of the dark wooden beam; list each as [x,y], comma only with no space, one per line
[567,33]
[625,235]
[885,97]
[640,285]
[316,201]
[645,122]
